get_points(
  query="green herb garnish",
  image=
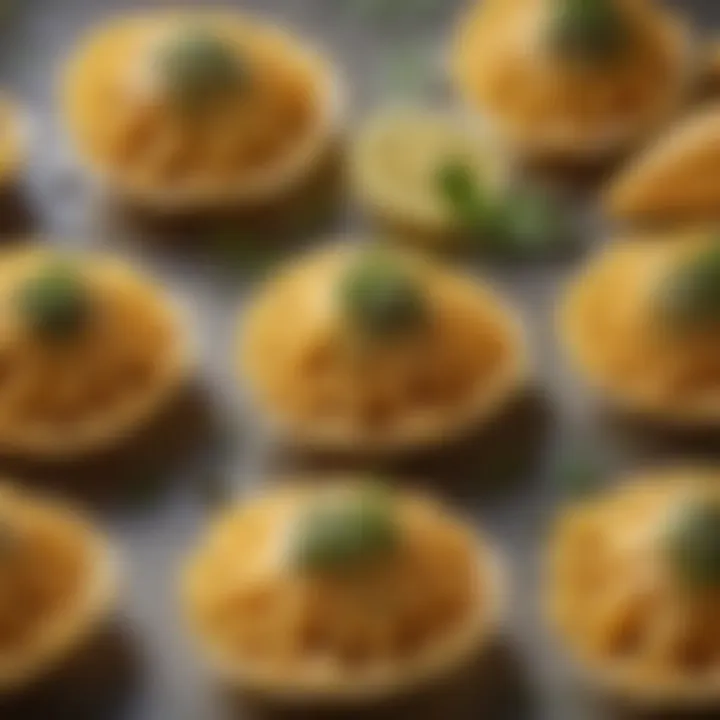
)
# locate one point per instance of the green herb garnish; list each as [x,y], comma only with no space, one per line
[381,298]
[589,32]
[693,544]
[521,222]
[530,223]
[342,532]
[689,297]
[55,302]
[459,187]
[198,67]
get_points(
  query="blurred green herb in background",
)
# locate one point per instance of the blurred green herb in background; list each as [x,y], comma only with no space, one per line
[411,70]
[522,222]
[589,32]
[469,202]
[689,297]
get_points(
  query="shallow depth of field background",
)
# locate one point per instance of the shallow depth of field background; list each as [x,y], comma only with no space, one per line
[389,50]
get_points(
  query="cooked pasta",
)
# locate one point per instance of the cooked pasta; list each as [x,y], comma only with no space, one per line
[88,350]
[673,180]
[358,625]
[614,322]
[505,63]
[56,584]
[622,598]
[313,373]
[197,107]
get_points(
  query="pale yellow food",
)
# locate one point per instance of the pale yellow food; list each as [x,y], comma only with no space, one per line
[58,583]
[397,159]
[299,359]
[610,324]
[248,145]
[360,632]
[64,398]
[676,178]
[616,601]
[543,105]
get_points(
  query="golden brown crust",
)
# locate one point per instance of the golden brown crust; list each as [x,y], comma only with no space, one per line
[675,178]
[544,106]
[367,631]
[58,582]
[248,150]
[608,321]
[319,390]
[64,399]
[616,602]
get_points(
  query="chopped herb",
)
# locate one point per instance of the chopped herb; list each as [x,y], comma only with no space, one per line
[55,302]
[458,185]
[346,531]
[690,295]
[197,66]
[381,298]
[530,223]
[589,32]
[693,544]
[523,222]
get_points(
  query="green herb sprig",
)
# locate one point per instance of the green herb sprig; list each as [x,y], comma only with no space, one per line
[693,544]
[380,297]
[341,533]
[689,297]
[55,302]
[519,222]
[588,32]
[198,67]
